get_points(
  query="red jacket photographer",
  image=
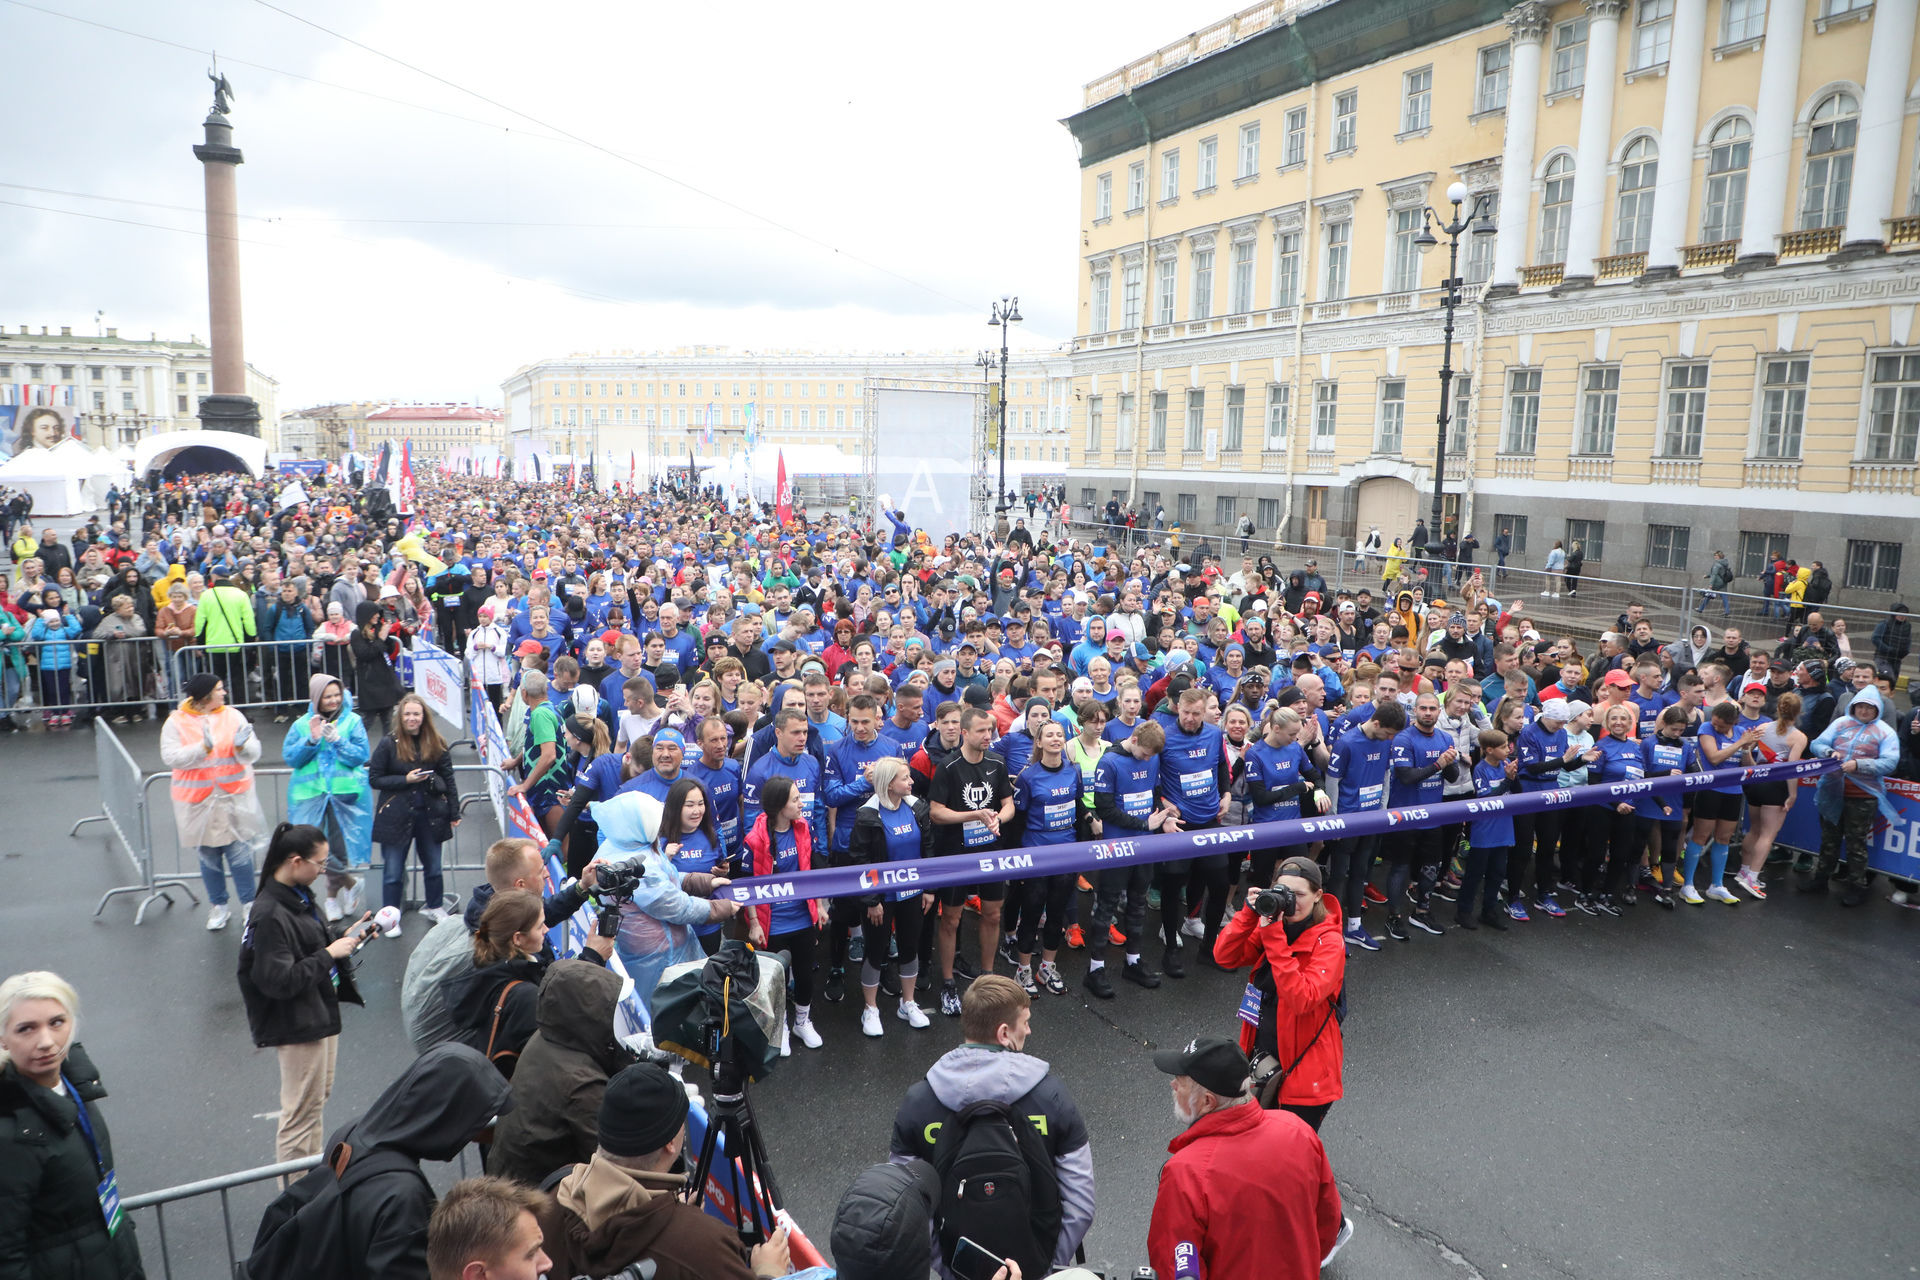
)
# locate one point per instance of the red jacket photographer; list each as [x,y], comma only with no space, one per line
[1308,974]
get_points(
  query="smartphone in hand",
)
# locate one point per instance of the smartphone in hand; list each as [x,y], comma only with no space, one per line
[971,1262]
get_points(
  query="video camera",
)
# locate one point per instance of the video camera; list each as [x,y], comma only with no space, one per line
[613,888]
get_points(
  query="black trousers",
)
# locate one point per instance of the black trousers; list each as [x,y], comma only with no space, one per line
[801,944]
[1048,895]
[902,922]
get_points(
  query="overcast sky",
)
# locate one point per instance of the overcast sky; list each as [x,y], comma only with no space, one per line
[836,177]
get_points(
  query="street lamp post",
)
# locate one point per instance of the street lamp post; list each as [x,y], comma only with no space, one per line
[1480,221]
[1006,314]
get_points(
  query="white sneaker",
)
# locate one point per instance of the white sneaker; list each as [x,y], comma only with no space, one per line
[1691,896]
[870,1022]
[803,1028]
[1720,893]
[786,1041]
[218,917]
[434,914]
[350,899]
[913,1015]
[1545,594]
[394,932]
[332,907]
[1194,927]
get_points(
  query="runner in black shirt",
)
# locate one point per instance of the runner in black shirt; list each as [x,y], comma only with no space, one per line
[971,797]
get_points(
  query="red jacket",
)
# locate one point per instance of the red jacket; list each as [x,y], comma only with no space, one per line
[761,847]
[1307,976]
[1246,1194]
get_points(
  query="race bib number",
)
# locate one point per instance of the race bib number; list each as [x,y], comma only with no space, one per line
[730,830]
[1137,804]
[975,834]
[1196,784]
[1370,797]
[1057,816]
[1250,1006]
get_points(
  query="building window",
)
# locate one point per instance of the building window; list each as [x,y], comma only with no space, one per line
[1286,268]
[1404,267]
[1103,197]
[1523,411]
[1462,414]
[36,371]
[1569,56]
[1783,409]
[1088,499]
[1742,20]
[1167,270]
[1726,190]
[1137,185]
[1196,419]
[1095,411]
[200,379]
[1339,234]
[180,404]
[1240,283]
[1556,209]
[1416,111]
[1667,546]
[1223,511]
[1893,425]
[1170,175]
[1279,396]
[1157,427]
[1633,223]
[1758,550]
[1480,248]
[1393,416]
[1515,527]
[1834,8]
[1249,149]
[1326,415]
[1186,508]
[1102,300]
[1130,281]
[1652,34]
[1202,306]
[1236,425]
[1209,166]
[1495,64]
[1591,535]
[1873,566]
[126,402]
[1295,151]
[1267,513]
[1829,173]
[1686,410]
[1346,120]
[1123,429]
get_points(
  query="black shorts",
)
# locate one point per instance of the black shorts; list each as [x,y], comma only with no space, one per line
[1717,806]
[1766,793]
[957,895]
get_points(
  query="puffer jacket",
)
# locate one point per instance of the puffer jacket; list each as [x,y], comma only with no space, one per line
[287,979]
[50,1223]
[1303,977]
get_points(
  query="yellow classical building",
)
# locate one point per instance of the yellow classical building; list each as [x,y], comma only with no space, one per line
[1691,328]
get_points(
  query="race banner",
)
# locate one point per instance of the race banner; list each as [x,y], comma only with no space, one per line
[437,679]
[1134,848]
[1895,845]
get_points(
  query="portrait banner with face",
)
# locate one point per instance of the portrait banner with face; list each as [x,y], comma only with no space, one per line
[35,426]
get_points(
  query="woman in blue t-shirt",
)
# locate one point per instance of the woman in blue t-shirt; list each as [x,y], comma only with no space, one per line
[1659,821]
[1046,797]
[892,828]
[1716,813]
[690,842]
[780,843]
[1609,839]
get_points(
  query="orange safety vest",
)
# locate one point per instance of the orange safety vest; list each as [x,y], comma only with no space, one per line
[223,769]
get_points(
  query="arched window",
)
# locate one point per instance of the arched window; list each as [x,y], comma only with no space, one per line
[1726,203]
[1556,209]
[1633,222]
[1829,174]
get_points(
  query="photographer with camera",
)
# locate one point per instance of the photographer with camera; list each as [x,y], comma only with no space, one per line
[623,1205]
[659,906]
[1289,1015]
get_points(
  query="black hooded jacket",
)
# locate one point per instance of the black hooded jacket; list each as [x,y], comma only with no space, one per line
[435,1108]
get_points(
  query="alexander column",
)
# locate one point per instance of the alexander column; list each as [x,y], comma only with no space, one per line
[229,408]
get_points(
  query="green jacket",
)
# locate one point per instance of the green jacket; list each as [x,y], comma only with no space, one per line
[223,620]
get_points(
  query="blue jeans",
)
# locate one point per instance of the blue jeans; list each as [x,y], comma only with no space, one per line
[393,877]
[217,860]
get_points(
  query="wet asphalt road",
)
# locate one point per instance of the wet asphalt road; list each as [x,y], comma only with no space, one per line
[1715,1091]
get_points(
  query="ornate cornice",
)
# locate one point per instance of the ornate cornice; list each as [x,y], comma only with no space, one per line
[1529,22]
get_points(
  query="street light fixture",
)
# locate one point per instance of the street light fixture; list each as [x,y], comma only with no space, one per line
[1006,314]
[1478,219]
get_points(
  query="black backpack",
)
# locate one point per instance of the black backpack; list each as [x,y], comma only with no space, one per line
[997,1186]
[303,1234]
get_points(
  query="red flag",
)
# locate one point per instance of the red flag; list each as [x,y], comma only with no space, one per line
[782,495]
[406,479]
[633,470]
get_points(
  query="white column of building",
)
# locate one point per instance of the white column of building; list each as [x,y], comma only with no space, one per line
[1773,114]
[1679,121]
[1596,137]
[1876,163]
[1529,23]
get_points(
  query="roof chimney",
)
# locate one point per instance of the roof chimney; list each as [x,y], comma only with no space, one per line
[113,333]
[66,331]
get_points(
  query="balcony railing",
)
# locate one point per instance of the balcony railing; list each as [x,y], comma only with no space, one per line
[1320,464]
[1811,244]
[1590,469]
[1770,475]
[1513,466]
[1544,276]
[1456,468]
[1330,310]
[1274,460]
[1676,471]
[1883,477]
[1720,253]
[1620,266]
[1903,232]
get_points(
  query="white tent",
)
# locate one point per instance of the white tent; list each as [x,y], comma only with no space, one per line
[757,474]
[154,452]
[67,480]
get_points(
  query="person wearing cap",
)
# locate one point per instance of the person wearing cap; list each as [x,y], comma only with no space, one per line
[211,748]
[623,1205]
[1246,1193]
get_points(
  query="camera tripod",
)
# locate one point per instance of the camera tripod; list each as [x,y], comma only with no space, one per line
[732,1116]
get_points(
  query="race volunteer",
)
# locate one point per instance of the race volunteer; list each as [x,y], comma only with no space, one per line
[1193,775]
[969,799]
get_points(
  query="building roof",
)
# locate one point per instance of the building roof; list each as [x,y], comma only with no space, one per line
[433,413]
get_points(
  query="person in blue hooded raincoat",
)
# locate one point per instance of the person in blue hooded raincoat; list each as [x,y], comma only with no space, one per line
[658,924]
[330,788]
[1869,749]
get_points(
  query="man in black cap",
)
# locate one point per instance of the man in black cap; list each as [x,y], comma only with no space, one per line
[623,1206]
[1246,1193]
[883,1227]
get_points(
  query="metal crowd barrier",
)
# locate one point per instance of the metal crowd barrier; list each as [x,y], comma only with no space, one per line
[101,676]
[266,673]
[124,807]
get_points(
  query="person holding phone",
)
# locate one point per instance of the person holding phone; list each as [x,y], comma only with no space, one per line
[417,805]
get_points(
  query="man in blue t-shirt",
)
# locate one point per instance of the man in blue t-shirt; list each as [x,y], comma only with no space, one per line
[1424,759]
[1193,776]
[1357,770]
[789,758]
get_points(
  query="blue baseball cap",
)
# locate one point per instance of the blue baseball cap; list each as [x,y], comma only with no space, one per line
[669,738]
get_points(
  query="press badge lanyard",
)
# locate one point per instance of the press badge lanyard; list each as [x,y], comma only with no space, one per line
[109,1189]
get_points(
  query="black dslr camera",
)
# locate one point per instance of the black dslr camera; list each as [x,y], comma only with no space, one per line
[613,888]
[1276,903]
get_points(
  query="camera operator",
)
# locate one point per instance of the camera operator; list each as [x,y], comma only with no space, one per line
[1288,1016]
[623,1205]
[1246,1194]
[660,905]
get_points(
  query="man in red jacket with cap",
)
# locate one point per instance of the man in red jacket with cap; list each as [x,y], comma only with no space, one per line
[1246,1192]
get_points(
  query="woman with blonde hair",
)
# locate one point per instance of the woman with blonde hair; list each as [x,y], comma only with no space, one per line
[54,1146]
[892,827]
[211,749]
[417,805]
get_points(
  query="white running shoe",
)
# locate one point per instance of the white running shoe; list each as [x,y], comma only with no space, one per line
[803,1028]
[1194,927]
[332,906]
[1751,882]
[786,1041]
[870,1022]
[1720,893]
[1691,896]
[218,917]
[913,1015]
[434,914]
[350,899]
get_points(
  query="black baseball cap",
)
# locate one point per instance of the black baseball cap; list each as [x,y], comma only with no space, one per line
[1214,1064]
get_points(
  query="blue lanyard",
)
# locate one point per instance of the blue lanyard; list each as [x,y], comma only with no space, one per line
[86,1126]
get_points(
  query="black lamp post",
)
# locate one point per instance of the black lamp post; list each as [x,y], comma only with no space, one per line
[1480,221]
[1006,314]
